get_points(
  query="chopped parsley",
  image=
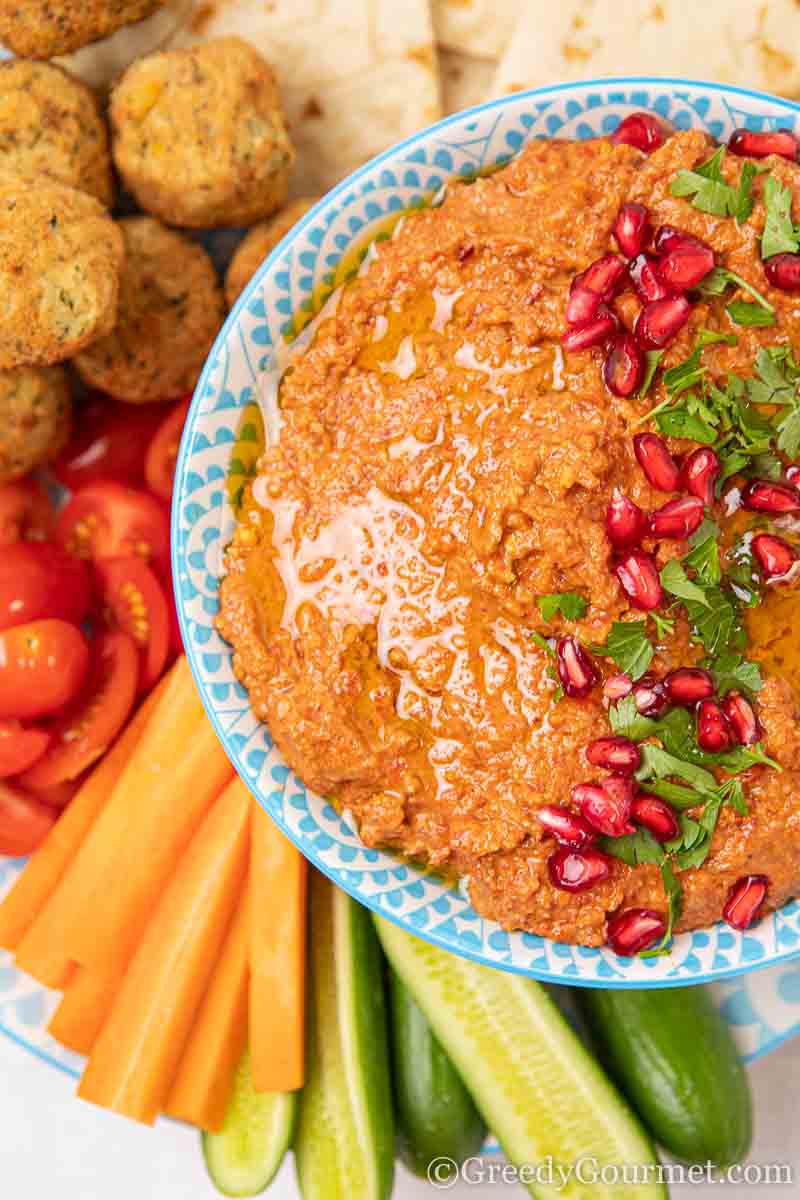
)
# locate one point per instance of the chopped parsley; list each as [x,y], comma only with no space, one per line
[571,606]
[651,360]
[716,283]
[675,581]
[549,650]
[629,646]
[709,191]
[780,235]
[742,312]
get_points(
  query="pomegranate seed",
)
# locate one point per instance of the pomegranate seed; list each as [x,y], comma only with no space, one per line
[569,827]
[603,276]
[714,732]
[651,698]
[677,518]
[632,228]
[783,271]
[775,556]
[763,496]
[624,366]
[594,333]
[641,130]
[576,670]
[646,281]
[745,900]
[607,805]
[614,753]
[638,574]
[656,461]
[687,685]
[578,870]
[747,728]
[759,145]
[655,815]
[686,264]
[793,475]
[616,687]
[667,237]
[626,524]
[635,930]
[582,306]
[660,320]
[699,474]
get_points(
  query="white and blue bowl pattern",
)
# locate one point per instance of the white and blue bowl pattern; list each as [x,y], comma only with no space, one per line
[764,1008]
[248,354]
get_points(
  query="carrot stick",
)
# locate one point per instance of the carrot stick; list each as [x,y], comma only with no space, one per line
[202,1087]
[84,1007]
[177,770]
[133,1062]
[29,896]
[277,958]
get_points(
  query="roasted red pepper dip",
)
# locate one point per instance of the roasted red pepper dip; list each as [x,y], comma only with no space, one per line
[516,586]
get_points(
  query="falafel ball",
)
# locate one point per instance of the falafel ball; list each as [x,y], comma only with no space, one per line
[60,262]
[170,311]
[45,28]
[35,418]
[50,124]
[261,239]
[199,135]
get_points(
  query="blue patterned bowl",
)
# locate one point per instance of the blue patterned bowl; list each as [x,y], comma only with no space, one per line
[248,356]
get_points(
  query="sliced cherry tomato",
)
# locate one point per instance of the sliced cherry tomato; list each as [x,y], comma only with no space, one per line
[60,794]
[135,603]
[20,747]
[88,728]
[24,822]
[162,453]
[25,512]
[109,520]
[175,639]
[39,579]
[109,442]
[43,666]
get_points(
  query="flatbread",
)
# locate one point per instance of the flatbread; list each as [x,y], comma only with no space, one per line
[355,75]
[481,28]
[465,80]
[727,41]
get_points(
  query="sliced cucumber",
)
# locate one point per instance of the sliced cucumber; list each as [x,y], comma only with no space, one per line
[674,1057]
[344,1149]
[539,1090]
[436,1116]
[245,1156]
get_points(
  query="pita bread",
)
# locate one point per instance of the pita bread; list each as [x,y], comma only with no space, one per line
[728,41]
[355,75]
[465,80]
[481,28]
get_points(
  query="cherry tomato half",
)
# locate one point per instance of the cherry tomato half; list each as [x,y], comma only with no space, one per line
[20,747]
[109,442]
[109,520]
[24,822]
[42,668]
[135,603]
[25,512]
[88,728]
[162,453]
[60,794]
[39,579]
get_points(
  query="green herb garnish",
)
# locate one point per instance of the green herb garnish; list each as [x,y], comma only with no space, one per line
[571,606]
[741,312]
[780,235]
[709,191]
[629,646]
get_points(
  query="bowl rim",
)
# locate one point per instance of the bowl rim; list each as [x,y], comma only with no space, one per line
[542,975]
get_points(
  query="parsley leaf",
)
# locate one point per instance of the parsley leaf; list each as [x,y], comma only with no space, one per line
[715,622]
[665,626]
[675,581]
[634,848]
[677,794]
[658,763]
[628,645]
[716,282]
[780,235]
[704,560]
[626,720]
[651,360]
[732,671]
[674,894]
[569,604]
[711,194]
[741,312]
[544,644]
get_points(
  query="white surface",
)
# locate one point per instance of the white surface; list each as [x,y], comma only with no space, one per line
[53,1144]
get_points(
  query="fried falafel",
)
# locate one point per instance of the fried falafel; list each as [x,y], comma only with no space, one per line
[35,418]
[45,28]
[199,135]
